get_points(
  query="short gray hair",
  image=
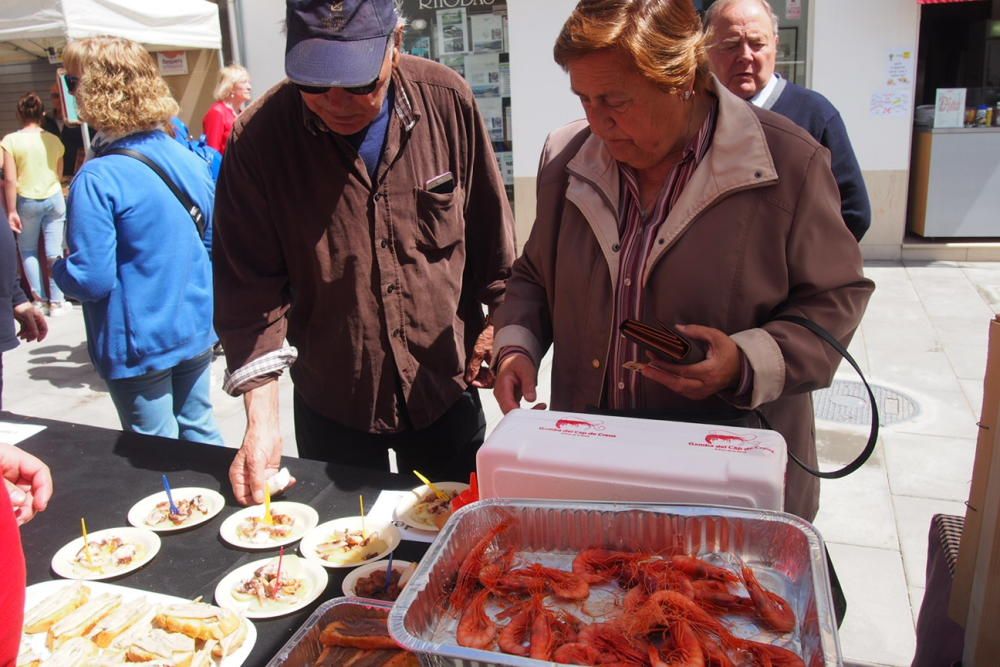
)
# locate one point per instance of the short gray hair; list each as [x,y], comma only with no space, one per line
[720,5]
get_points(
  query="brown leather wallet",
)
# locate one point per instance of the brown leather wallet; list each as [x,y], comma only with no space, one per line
[664,342]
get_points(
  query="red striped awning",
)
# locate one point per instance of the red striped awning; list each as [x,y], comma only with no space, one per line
[941,2]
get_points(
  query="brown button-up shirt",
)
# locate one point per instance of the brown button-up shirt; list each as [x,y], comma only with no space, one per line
[380,285]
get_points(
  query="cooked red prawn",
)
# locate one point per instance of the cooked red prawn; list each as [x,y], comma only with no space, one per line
[769,655]
[696,568]
[598,565]
[772,609]
[468,572]
[577,653]
[715,595]
[543,632]
[515,637]
[685,649]
[475,628]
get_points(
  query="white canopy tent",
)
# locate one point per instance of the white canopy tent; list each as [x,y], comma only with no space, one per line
[32,29]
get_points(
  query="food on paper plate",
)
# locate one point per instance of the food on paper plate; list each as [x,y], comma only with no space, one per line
[432,510]
[198,620]
[102,629]
[351,547]
[280,482]
[106,555]
[43,615]
[373,586]
[188,509]
[360,636]
[265,590]
[255,530]
[81,620]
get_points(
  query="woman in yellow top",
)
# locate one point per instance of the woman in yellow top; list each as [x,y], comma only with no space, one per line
[32,162]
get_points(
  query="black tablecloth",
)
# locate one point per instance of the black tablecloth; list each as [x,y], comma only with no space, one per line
[99,474]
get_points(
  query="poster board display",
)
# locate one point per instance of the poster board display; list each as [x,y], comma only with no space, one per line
[472,39]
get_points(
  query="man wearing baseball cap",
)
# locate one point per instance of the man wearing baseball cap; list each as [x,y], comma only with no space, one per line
[360,214]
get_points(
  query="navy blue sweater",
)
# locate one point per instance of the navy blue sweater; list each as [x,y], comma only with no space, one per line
[814,113]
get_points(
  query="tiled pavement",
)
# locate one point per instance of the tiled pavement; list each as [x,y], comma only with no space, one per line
[924,334]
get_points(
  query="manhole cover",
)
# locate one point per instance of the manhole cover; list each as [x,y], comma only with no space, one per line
[846,402]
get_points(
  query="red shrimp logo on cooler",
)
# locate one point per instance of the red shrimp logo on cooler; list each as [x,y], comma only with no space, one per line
[579,428]
[733,442]
[578,425]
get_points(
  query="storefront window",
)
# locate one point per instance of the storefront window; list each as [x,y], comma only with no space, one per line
[471,38]
[793,19]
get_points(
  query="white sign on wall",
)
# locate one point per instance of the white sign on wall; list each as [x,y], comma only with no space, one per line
[949,107]
[172,63]
[793,10]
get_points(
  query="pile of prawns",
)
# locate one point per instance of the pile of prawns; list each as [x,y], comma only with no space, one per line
[669,613]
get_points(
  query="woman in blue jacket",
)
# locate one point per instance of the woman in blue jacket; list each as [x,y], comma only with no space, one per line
[137,261]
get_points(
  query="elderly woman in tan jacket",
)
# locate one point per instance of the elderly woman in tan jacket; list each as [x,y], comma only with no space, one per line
[677,202]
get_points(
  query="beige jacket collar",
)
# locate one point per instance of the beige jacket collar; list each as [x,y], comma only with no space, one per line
[738,159]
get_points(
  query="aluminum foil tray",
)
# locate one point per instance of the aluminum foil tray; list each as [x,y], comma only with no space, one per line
[304,646]
[786,553]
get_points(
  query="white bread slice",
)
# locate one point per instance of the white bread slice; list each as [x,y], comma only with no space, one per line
[64,600]
[139,629]
[26,656]
[81,620]
[74,652]
[198,620]
[160,645]
[231,642]
[119,621]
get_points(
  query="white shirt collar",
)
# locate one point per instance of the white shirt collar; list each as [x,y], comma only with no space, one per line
[765,92]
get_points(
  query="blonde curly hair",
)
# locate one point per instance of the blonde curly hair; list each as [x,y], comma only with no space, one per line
[120,90]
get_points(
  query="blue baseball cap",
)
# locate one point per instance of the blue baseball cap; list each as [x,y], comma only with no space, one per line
[338,43]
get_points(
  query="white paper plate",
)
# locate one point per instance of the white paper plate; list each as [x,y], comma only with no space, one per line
[312,572]
[137,515]
[305,517]
[326,531]
[146,541]
[405,510]
[38,592]
[404,567]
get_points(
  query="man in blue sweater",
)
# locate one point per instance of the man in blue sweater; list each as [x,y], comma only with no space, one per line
[742,40]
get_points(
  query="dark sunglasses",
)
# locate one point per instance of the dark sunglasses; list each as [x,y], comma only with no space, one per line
[71,83]
[366,89]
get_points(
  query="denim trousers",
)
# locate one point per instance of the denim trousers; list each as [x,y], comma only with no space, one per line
[38,217]
[175,403]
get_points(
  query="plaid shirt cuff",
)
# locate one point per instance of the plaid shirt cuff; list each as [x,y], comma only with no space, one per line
[269,364]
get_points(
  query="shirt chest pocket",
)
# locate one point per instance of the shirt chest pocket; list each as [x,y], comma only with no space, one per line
[440,223]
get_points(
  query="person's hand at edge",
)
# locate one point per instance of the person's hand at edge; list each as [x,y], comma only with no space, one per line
[33,326]
[29,482]
[517,378]
[476,373]
[719,371]
[259,456]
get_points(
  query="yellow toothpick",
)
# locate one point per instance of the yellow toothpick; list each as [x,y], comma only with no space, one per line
[437,492]
[268,519]
[361,499]
[86,544]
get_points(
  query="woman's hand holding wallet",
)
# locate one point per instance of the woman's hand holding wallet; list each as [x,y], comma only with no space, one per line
[719,370]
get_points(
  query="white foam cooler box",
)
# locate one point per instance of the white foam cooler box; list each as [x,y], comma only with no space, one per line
[569,456]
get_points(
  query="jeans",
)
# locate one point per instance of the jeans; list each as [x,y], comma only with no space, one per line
[175,403]
[48,217]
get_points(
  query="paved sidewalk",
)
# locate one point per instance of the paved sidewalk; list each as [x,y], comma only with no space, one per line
[924,335]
